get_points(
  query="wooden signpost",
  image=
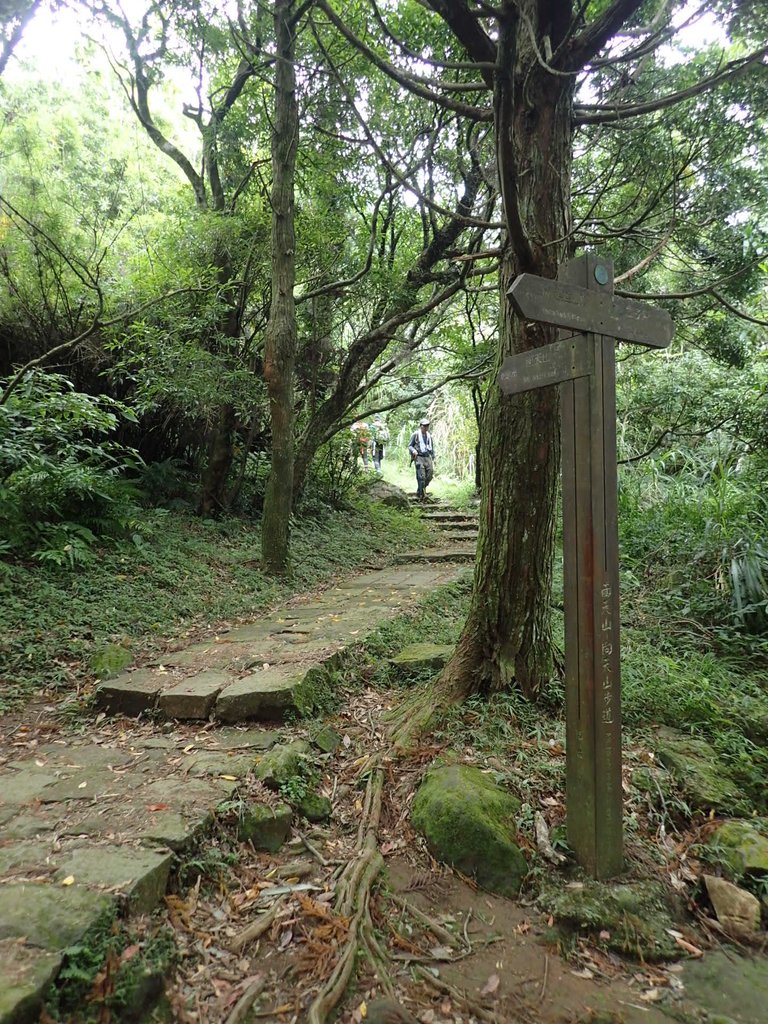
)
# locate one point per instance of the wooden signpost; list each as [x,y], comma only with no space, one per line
[584,365]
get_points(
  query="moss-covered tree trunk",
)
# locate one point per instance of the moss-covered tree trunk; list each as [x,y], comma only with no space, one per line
[506,639]
[280,336]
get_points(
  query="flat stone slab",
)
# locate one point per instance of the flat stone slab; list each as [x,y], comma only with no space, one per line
[172,829]
[217,763]
[25,974]
[26,857]
[132,692]
[180,794]
[728,987]
[82,784]
[265,695]
[28,825]
[193,697]
[241,739]
[139,875]
[24,787]
[47,915]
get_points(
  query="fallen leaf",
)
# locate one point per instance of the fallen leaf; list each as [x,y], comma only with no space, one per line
[69,880]
[158,807]
[441,952]
[491,985]
[129,952]
[83,785]
[651,995]
[585,973]
[229,778]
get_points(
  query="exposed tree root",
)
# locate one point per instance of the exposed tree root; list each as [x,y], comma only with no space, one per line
[441,934]
[457,681]
[353,895]
[256,928]
[459,998]
[408,722]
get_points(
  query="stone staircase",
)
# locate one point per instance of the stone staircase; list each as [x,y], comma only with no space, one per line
[456,532]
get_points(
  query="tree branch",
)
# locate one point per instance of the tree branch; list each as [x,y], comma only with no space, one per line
[601,114]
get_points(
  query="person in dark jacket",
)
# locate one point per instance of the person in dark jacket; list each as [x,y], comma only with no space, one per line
[422,451]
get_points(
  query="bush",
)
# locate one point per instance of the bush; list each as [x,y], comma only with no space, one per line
[695,532]
[62,481]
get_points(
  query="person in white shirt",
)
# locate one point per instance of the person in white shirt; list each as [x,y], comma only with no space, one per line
[422,451]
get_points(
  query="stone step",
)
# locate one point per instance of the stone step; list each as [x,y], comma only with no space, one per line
[438,555]
[257,671]
[464,535]
[439,518]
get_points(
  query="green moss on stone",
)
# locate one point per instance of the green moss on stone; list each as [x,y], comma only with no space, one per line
[267,828]
[283,764]
[110,660]
[741,847]
[632,918]
[315,807]
[468,822]
[701,775]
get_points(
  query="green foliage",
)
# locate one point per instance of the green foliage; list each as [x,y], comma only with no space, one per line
[62,480]
[693,532]
[98,981]
[333,476]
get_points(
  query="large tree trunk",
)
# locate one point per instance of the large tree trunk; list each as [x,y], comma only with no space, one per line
[506,640]
[280,335]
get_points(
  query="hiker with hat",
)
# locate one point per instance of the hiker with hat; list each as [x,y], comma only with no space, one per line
[422,452]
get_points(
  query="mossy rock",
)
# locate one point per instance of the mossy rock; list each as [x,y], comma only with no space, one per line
[283,763]
[634,918]
[419,658]
[326,739]
[741,847]
[701,775]
[315,807]
[266,828]
[110,660]
[317,694]
[468,821]
[653,783]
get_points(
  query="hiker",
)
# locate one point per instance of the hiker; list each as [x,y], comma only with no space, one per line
[423,454]
[380,438]
[362,441]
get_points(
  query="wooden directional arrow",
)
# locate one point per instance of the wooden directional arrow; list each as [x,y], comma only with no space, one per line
[568,305]
[551,364]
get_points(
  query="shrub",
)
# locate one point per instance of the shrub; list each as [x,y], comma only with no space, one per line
[62,481]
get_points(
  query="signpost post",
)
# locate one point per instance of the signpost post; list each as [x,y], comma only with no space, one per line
[583,363]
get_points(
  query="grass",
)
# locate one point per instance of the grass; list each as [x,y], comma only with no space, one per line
[193,576]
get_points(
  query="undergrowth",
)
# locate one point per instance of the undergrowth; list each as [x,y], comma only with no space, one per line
[115,973]
[195,575]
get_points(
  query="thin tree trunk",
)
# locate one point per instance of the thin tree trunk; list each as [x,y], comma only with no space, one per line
[218,462]
[280,335]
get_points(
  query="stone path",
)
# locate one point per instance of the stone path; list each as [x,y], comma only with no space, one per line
[94,820]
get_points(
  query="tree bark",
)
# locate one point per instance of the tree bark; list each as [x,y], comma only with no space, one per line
[280,335]
[506,639]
